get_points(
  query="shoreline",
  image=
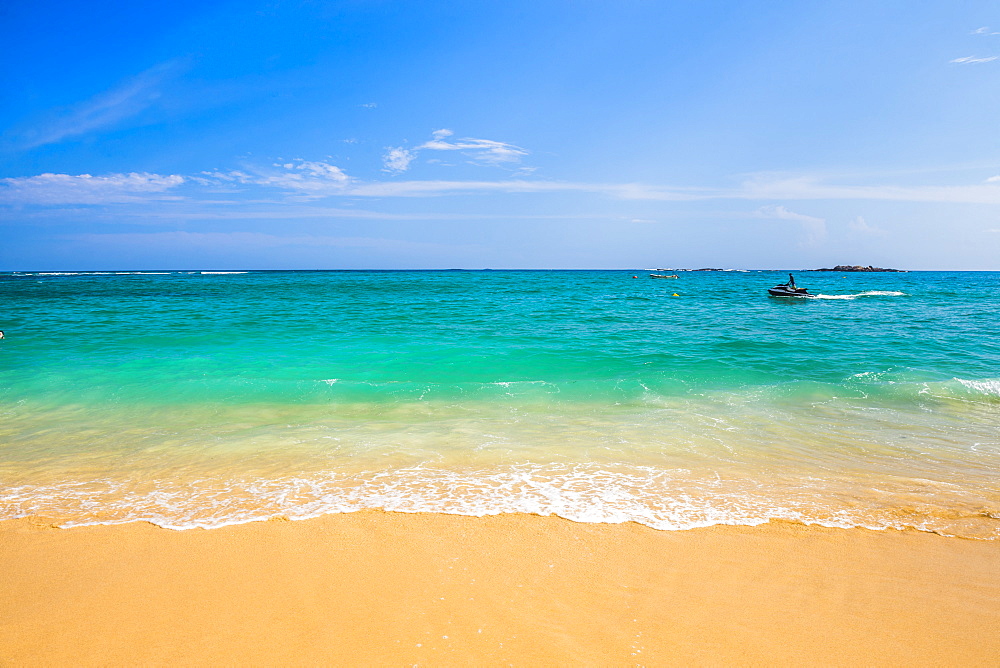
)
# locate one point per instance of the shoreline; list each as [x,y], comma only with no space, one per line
[43,521]
[375,587]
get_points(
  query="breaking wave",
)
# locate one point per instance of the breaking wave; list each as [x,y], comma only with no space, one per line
[985,388]
[658,498]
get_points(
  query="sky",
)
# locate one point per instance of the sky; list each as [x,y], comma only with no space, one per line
[371,134]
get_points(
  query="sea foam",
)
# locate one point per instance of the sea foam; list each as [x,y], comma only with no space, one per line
[868,293]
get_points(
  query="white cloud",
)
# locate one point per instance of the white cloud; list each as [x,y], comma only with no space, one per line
[861,226]
[814,228]
[306,177]
[972,60]
[87,189]
[985,30]
[782,213]
[105,109]
[214,177]
[397,160]
[480,151]
[993,179]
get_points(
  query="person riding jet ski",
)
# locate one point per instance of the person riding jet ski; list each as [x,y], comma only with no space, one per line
[788,289]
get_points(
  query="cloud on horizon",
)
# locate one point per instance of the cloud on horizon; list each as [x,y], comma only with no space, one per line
[50,189]
[309,180]
[207,241]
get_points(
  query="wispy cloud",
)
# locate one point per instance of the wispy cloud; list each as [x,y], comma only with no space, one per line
[443,188]
[973,60]
[860,226]
[985,30]
[312,177]
[782,213]
[310,180]
[180,239]
[436,188]
[814,228]
[106,109]
[778,187]
[86,189]
[480,151]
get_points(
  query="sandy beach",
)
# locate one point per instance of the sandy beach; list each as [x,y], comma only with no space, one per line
[381,588]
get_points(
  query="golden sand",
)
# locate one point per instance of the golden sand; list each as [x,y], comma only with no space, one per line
[375,588]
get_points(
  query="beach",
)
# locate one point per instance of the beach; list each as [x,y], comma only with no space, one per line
[514,333]
[377,588]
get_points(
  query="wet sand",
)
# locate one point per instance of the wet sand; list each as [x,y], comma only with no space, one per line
[401,589]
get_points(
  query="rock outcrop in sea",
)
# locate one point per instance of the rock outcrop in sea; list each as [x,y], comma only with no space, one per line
[857,267]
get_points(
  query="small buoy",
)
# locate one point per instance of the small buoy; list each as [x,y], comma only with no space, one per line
[1,334]
[675,295]
[635,277]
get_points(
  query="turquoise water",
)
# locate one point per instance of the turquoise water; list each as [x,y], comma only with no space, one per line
[203,399]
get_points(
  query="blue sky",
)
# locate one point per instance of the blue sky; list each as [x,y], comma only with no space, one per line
[369,134]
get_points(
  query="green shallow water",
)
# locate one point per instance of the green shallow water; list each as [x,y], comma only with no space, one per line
[196,399]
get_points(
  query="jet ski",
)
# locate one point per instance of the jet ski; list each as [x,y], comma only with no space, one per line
[788,289]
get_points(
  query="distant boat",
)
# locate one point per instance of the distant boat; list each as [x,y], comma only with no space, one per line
[663,276]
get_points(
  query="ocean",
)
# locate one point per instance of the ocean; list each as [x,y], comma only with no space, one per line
[201,399]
